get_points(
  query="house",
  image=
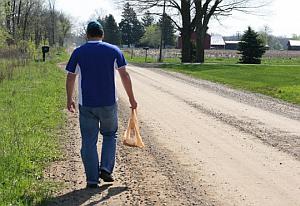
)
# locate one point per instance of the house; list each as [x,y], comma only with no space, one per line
[193,39]
[294,45]
[217,42]
[232,45]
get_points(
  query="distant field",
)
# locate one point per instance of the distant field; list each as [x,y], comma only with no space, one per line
[279,81]
[213,56]
[31,104]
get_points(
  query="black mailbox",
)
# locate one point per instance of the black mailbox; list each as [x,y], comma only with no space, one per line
[45,49]
[146,49]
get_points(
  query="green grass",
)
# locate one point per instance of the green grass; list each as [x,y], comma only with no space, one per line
[216,60]
[31,104]
[282,82]
[281,61]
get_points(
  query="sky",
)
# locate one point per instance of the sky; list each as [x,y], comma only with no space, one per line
[281,16]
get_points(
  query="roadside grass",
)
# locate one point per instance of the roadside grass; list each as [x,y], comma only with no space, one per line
[31,104]
[279,81]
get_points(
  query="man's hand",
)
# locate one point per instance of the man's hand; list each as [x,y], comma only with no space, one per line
[71,106]
[133,103]
[70,89]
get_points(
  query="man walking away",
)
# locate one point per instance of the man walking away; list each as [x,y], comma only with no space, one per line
[95,63]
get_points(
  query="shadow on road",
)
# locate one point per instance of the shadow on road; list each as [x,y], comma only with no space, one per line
[111,192]
[79,197]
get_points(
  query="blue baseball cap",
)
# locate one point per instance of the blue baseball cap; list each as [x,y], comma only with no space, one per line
[94,26]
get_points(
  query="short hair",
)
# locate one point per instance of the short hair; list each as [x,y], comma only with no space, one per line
[95,29]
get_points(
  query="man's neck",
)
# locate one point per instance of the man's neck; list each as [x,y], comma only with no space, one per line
[95,39]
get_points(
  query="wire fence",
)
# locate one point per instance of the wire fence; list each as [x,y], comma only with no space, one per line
[176,53]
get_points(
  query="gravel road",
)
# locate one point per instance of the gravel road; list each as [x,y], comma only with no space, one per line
[206,144]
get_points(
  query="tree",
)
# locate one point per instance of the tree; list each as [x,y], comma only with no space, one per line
[152,36]
[295,37]
[33,20]
[111,30]
[251,47]
[168,29]
[131,28]
[195,15]
[3,37]
[148,19]
[270,41]
[64,27]
[52,15]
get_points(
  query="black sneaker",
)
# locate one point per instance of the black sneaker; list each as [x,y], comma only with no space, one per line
[92,186]
[107,177]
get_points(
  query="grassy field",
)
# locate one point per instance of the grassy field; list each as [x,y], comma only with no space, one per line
[31,104]
[220,60]
[279,81]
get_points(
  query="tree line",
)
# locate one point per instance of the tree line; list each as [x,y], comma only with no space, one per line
[35,21]
[134,32]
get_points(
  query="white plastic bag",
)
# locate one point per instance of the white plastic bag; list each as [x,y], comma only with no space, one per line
[132,137]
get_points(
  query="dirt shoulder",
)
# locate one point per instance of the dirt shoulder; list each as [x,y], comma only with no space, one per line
[149,176]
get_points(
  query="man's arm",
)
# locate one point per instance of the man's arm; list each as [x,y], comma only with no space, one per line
[70,84]
[125,77]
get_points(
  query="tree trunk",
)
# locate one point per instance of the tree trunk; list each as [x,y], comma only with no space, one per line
[19,13]
[13,14]
[25,25]
[186,46]
[8,16]
[186,30]
[204,12]
[201,33]
[27,13]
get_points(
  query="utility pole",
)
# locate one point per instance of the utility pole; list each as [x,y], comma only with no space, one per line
[162,32]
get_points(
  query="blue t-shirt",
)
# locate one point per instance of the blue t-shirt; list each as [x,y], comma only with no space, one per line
[95,62]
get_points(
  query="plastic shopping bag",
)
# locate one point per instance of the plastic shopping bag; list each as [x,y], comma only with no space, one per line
[132,135]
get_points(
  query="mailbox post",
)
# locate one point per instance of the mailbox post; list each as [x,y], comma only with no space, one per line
[146,50]
[45,49]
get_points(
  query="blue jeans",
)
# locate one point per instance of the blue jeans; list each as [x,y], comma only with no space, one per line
[93,120]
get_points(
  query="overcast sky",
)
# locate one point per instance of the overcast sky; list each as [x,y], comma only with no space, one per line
[281,16]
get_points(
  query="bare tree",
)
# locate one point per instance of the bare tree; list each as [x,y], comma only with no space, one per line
[52,12]
[27,12]
[64,27]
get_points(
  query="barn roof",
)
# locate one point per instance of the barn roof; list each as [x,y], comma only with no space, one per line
[294,42]
[232,42]
[217,40]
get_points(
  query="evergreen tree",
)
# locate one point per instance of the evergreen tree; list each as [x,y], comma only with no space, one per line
[251,47]
[168,30]
[148,19]
[131,28]
[111,30]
